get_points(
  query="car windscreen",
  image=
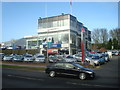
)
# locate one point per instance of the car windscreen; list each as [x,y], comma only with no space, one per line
[28,56]
[40,56]
[69,57]
[95,57]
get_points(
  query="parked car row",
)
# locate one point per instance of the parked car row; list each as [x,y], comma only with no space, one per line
[116,53]
[24,58]
[90,58]
[97,58]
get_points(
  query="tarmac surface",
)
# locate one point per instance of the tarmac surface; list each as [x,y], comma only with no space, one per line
[106,77]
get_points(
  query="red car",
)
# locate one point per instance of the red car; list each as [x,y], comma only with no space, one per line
[119,54]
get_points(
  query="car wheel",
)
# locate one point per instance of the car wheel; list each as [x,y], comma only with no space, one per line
[82,76]
[52,73]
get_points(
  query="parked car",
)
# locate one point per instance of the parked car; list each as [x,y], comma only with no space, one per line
[70,58]
[102,60]
[40,58]
[119,53]
[18,58]
[28,58]
[106,57]
[7,58]
[78,57]
[53,59]
[113,53]
[88,57]
[94,60]
[13,55]
[2,56]
[69,68]
[116,53]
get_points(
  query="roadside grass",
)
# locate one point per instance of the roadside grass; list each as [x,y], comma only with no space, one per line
[24,67]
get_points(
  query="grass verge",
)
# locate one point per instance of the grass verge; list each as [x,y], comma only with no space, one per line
[24,67]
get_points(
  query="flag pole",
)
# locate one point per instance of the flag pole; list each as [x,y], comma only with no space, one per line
[71,7]
[47,31]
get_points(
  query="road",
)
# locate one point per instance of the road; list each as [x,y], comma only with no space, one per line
[106,77]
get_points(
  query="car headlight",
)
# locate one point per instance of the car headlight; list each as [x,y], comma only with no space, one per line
[96,61]
[89,72]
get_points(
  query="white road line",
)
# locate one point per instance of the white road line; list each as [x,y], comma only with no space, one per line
[89,85]
[25,77]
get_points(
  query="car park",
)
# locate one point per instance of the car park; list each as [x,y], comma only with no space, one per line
[69,68]
[40,58]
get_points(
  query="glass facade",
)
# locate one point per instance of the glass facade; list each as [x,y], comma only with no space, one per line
[57,38]
[57,21]
[32,44]
[61,36]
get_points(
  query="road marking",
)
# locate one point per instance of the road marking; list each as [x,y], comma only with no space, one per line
[25,77]
[89,85]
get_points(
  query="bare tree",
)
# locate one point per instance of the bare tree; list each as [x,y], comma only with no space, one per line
[115,33]
[96,36]
[103,35]
[100,35]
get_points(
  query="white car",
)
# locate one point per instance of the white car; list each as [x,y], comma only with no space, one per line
[7,58]
[28,58]
[94,60]
[70,59]
[39,58]
[78,57]
[18,58]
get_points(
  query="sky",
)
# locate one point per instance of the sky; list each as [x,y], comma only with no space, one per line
[19,19]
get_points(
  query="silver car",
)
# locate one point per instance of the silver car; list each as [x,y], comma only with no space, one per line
[39,58]
[7,58]
[78,57]
[28,58]
[18,58]
[94,60]
[70,58]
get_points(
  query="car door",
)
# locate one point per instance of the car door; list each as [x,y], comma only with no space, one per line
[59,68]
[70,69]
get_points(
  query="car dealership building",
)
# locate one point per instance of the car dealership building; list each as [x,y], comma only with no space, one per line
[63,32]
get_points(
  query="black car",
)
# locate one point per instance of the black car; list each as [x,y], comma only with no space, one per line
[69,68]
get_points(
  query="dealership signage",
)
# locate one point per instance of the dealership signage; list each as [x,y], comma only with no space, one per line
[52,50]
[53,46]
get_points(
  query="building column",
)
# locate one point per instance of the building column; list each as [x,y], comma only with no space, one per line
[69,44]
[26,44]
